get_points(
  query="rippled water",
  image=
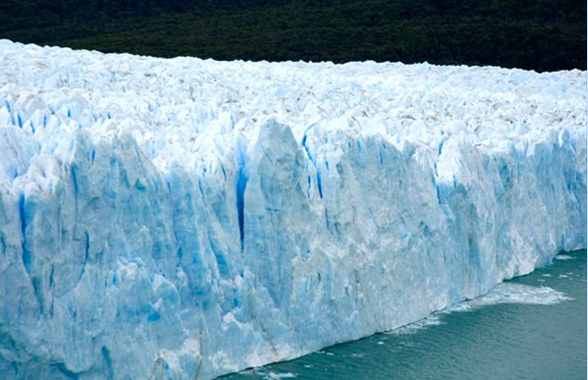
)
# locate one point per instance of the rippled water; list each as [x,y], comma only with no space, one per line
[532,327]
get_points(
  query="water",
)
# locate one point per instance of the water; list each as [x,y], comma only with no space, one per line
[532,327]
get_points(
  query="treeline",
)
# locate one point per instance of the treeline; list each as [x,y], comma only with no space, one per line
[544,35]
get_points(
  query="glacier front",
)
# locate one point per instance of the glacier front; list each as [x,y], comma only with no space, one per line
[186,218]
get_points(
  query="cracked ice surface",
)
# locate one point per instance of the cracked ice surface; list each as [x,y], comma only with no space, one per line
[185,218]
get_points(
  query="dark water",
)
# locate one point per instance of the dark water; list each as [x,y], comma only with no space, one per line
[532,327]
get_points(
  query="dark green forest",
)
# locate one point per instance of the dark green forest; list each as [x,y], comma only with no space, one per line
[543,35]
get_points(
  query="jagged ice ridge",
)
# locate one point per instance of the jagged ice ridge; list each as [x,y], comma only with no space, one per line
[181,219]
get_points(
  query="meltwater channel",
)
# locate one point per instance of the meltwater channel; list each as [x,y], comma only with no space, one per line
[531,327]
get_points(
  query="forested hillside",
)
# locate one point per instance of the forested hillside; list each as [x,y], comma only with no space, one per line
[544,35]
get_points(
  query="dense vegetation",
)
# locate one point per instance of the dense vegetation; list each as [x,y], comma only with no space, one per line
[544,35]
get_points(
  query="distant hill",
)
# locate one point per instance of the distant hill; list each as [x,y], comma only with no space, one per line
[544,35]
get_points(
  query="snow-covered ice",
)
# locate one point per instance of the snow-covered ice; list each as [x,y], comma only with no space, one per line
[181,219]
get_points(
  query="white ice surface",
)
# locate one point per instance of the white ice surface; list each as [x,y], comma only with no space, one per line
[514,293]
[180,219]
[563,257]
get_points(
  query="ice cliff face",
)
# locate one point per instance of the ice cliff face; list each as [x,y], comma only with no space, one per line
[181,219]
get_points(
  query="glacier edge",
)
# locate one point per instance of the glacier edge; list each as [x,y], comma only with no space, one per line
[132,248]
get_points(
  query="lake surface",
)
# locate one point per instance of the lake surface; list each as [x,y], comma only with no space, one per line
[531,327]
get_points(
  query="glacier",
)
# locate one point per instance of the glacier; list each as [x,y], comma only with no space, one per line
[185,218]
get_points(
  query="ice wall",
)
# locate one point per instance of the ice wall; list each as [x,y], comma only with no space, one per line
[181,219]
